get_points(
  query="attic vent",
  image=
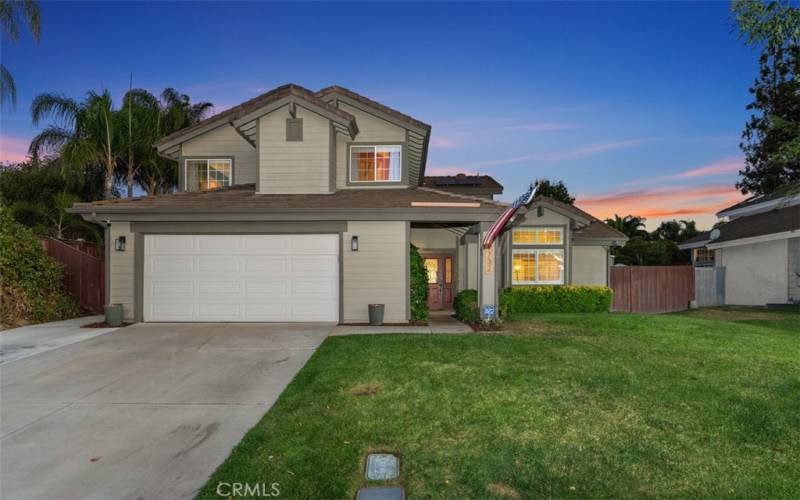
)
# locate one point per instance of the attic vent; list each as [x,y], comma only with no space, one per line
[294,129]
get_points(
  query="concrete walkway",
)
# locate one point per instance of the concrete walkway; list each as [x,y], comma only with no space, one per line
[439,323]
[144,412]
[25,341]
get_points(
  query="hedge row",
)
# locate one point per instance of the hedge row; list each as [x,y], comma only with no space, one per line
[465,305]
[555,299]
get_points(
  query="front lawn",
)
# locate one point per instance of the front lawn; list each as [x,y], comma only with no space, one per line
[701,404]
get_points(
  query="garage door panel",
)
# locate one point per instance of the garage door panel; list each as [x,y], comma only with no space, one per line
[276,264]
[166,311]
[218,264]
[162,264]
[218,243]
[206,288]
[267,288]
[168,289]
[316,266]
[241,278]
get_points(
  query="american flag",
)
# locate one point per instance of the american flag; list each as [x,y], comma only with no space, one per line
[506,216]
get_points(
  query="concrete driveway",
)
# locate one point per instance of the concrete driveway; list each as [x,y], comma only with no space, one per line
[147,411]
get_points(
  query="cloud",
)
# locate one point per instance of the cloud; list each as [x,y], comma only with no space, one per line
[663,202]
[717,168]
[443,142]
[13,148]
[561,155]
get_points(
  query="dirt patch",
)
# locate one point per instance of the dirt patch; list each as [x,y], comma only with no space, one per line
[503,490]
[103,324]
[366,389]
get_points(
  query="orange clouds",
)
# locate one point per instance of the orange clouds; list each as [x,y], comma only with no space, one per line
[699,202]
[722,167]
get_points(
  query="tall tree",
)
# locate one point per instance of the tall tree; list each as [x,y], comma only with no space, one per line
[556,190]
[771,139]
[14,13]
[631,226]
[83,134]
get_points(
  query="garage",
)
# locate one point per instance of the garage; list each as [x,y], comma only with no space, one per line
[248,277]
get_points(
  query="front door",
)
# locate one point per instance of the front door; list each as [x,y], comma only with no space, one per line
[440,281]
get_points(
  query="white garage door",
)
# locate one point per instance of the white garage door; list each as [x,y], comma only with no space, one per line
[251,277]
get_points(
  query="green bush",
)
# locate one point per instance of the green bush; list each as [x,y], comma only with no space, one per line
[32,290]
[465,304]
[419,286]
[555,299]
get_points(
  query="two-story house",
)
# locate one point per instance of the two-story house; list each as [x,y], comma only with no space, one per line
[301,206]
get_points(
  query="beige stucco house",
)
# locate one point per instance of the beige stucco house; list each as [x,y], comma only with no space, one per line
[301,206]
[759,248]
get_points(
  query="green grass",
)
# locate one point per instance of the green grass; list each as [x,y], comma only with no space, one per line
[699,404]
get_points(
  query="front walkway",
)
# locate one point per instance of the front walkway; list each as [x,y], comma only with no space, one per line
[440,322]
[24,341]
[145,412]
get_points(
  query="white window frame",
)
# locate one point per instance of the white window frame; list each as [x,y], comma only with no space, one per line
[208,169]
[560,230]
[375,148]
[536,252]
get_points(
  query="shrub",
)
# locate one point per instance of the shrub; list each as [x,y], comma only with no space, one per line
[555,299]
[31,280]
[465,304]
[419,286]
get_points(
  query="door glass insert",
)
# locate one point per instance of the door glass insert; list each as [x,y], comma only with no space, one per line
[432,267]
[448,270]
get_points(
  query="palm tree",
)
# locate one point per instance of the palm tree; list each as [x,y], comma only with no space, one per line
[631,226]
[675,230]
[12,14]
[156,118]
[85,134]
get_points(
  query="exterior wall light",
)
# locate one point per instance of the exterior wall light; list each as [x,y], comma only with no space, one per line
[354,243]
[119,244]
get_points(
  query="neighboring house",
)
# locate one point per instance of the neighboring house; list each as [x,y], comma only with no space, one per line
[699,252]
[300,206]
[759,247]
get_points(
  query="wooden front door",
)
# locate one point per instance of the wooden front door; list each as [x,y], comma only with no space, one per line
[440,281]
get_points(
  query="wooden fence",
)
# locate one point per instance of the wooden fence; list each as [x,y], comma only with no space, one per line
[84,273]
[652,289]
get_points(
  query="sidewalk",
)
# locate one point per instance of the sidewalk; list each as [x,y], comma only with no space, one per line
[25,341]
[440,322]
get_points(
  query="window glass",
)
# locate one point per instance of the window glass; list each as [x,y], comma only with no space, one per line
[448,270]
[432,267]
[531,267]
[207,174]
[375,163]
[538,236]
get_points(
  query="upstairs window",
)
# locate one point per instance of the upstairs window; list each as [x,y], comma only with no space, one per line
[202,175]
[375,163]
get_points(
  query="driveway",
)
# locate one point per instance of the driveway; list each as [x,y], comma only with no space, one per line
[147,411]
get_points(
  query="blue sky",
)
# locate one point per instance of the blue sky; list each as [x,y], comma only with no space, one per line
[638,107]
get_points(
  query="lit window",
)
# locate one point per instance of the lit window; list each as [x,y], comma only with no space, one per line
[202,175]
[375,163]
[538,236]
[537,267]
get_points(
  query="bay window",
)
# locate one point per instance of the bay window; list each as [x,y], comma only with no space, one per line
[205,174]
[375,163]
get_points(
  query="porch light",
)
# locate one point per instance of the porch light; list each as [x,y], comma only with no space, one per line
[354,243]
[119,244]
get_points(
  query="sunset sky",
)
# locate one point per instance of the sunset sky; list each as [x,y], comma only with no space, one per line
[637,107]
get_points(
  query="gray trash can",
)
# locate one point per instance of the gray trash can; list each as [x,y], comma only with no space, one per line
[376,314]
[113,314]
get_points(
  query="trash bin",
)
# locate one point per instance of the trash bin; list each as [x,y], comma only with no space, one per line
[113,314]
[376,314]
